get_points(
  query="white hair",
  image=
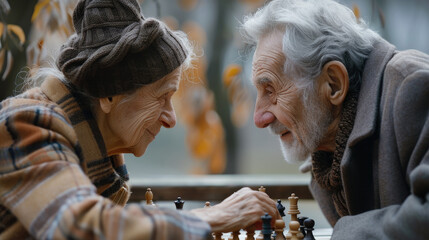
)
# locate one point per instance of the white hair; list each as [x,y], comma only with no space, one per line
[315,32]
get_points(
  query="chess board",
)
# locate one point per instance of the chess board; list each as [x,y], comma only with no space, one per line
[294,228]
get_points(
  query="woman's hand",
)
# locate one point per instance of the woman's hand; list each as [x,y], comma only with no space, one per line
[239,211]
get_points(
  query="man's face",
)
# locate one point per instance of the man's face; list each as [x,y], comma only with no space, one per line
[138,120]
[280,106]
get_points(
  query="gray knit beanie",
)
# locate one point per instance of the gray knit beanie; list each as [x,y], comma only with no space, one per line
[116,50]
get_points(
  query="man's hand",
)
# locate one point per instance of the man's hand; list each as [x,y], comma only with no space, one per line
[239,211]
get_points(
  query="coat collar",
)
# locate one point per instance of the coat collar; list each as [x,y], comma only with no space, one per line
[370,91]
[107,173]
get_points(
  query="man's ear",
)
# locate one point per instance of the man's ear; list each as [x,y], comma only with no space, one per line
[336,82]
[106,104]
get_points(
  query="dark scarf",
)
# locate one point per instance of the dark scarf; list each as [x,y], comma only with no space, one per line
[326,165]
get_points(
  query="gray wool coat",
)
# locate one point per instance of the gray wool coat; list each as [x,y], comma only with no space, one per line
[385,167]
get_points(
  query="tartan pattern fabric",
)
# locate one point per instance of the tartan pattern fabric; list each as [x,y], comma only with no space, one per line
[57,182]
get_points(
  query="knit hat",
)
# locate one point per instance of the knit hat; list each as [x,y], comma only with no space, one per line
[116,50]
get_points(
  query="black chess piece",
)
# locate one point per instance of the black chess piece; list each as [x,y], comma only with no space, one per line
[301,223]
[179,203]
[281,208]
[266,226]
[309,227]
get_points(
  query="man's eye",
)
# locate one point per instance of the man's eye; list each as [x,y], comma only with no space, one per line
[269,91]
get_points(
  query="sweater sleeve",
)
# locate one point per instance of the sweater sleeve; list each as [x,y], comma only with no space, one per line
[410,219]
[43,186]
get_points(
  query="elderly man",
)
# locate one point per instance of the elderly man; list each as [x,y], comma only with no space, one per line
[62,174]
[332,89]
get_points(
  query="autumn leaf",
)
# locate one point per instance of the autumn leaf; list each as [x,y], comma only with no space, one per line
[17,31]
[356,12]
[188,4]
[230,73]
[38,8]
[2,56]
[1,29]
[9,62]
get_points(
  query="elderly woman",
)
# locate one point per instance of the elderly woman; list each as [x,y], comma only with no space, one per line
[61,170]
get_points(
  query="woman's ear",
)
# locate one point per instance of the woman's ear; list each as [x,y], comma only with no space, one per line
[106,104]
[337,82]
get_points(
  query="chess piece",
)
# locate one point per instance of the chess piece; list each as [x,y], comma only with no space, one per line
[293,207]
[281,208]
[149,197]
[294,233]
[309,227]
[179,203]
[250,233]
[259,236]
[266,226]
[217,236]
[235,235]
[207,204]
[279,227]
[301,223]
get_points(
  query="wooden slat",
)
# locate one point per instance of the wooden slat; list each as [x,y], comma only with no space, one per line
[218,187]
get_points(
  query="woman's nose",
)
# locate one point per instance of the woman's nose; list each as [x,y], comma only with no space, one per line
[168,118]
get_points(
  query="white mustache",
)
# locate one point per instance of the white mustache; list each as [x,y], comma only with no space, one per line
[277,128]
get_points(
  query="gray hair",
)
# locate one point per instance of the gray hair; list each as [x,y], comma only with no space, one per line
[316,32]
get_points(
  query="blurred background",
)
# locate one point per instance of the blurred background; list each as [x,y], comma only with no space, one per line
[215,133]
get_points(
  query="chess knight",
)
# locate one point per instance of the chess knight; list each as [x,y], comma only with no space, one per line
[351,109]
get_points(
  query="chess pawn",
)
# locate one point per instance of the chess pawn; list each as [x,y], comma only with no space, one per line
[279,228]
[294,233]
[149,197]
[301,223]
[309,227]
[235,235]
[207,205]
[179,203]
[217,236]
[261,189]
[250,233]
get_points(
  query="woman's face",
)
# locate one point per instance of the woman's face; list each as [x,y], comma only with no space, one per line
[136,119]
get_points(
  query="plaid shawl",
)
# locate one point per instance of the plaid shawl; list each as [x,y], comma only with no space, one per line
[57,182]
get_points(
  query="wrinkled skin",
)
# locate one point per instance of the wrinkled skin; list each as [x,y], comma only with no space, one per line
[130,125]
[242,209]
[303,127]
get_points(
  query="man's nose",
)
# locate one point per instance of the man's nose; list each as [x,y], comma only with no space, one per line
[263,119]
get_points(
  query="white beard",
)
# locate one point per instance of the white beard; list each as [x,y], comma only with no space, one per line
[295,152]
[316,121]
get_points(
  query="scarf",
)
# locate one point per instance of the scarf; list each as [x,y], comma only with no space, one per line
[326,165]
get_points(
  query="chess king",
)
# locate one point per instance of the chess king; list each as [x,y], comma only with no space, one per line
[62,175]
[351,109]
